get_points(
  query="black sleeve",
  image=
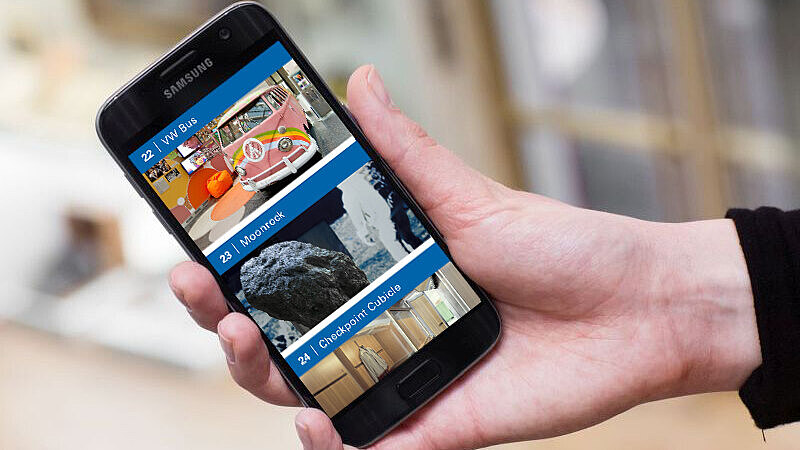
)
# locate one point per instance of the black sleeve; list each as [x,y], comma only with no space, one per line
[770,239]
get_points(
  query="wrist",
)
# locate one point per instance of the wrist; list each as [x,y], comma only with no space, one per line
[705,304]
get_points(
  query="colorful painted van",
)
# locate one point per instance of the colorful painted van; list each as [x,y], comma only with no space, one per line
[266,136]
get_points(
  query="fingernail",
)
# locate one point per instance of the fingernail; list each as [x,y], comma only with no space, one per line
[375,83]
[227,348]
[302,433]
[179,294]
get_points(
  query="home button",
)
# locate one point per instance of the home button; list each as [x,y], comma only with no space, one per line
[422,377]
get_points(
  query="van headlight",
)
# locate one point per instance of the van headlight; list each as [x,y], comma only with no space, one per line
[285,144]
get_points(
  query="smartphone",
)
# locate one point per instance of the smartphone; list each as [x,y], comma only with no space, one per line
[251,163]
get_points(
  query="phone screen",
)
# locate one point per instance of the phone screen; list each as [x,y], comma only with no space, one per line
[304,228]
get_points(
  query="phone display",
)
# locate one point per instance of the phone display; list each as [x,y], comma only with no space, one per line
[305,229]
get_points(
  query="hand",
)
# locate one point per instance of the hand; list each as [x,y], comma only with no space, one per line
[600,312]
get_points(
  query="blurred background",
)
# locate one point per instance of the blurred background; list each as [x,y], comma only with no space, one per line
[666,110]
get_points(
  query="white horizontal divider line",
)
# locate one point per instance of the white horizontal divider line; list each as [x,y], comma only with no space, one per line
[358,297]
[283,193]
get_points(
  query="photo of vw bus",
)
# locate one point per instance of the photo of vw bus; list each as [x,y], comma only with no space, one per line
[267,138]
[247,155]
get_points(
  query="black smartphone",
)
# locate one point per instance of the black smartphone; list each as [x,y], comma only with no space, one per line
[248,159]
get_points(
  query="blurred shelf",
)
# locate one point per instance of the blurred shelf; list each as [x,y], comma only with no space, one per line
[122,310]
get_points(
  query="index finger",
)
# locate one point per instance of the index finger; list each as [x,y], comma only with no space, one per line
[198,291]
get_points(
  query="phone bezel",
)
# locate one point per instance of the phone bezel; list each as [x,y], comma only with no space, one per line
[376,411]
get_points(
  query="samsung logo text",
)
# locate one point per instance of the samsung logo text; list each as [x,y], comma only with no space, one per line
[187,78]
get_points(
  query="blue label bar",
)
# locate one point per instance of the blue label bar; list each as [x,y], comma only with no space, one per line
[287,208]
[209,107]
[376,301]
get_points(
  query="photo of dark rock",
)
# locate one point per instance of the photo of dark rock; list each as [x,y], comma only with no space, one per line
[300,283]
[325,256]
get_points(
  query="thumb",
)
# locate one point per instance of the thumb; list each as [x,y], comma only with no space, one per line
[443,185]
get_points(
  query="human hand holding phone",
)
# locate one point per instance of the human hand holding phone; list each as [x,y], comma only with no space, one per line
[600,312]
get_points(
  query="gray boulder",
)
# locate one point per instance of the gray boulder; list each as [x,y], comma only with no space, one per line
[300,282]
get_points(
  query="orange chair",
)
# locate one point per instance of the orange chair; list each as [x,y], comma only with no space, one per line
[219,183]
[197,190]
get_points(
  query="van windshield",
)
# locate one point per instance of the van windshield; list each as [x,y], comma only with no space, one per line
[255,114]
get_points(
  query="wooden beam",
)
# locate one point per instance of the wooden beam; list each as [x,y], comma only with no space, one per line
[694,79]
